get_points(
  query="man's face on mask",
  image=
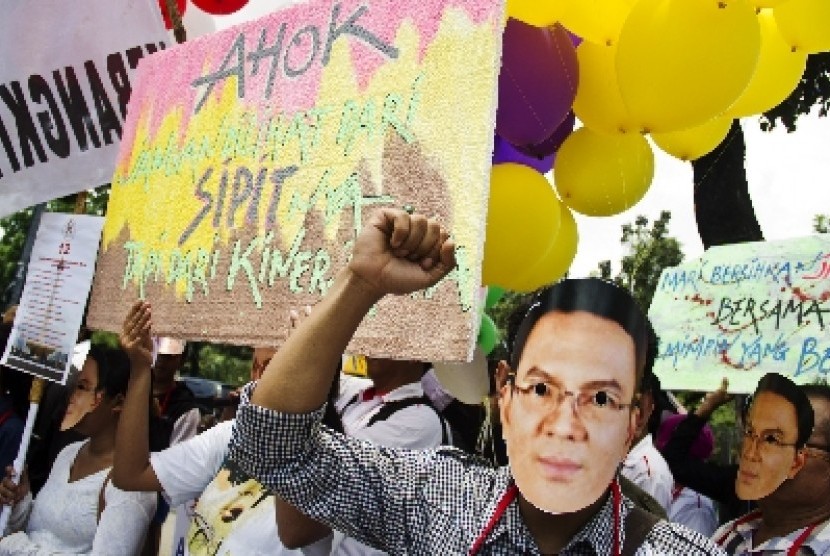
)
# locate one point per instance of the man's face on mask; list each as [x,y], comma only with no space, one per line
[567,420]
[768,452]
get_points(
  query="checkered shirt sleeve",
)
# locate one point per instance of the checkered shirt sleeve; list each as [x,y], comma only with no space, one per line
[366,491]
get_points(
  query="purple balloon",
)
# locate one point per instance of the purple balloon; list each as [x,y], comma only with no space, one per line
[550,145]
[505,152]
[537,83]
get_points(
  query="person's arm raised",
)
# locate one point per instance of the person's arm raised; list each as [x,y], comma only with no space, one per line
[395,253]
[131,467]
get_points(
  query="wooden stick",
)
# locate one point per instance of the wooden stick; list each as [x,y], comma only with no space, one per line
[176,19]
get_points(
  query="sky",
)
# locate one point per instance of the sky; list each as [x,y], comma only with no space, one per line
[788,175]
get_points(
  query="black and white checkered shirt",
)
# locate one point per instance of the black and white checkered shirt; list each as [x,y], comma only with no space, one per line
[410,502]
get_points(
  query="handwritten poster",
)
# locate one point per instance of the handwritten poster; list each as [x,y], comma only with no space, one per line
[742,311]
[251,158]
[54,296]
[65,79]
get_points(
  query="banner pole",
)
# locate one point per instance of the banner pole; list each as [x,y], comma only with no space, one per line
[176,19]
[35,392]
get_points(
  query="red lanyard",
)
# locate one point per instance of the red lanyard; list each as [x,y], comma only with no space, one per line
[510,495]
[793,550]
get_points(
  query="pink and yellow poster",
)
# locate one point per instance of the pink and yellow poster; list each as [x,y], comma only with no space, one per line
[251,157]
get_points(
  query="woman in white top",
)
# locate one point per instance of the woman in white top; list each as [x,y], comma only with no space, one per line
[79,510]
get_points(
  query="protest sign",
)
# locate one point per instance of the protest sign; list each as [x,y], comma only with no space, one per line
[741,311]
[251,158]
[65,79]
[54,297]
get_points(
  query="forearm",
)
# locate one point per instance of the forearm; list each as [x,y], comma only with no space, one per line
[298,377]
[131,465]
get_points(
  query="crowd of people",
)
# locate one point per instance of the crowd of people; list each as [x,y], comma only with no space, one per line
[583,459]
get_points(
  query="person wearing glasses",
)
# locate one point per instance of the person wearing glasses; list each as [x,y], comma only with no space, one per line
[566,405]
[785,463]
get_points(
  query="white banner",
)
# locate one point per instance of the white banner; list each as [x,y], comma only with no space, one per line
[54,297]
[744,310]
[66,71]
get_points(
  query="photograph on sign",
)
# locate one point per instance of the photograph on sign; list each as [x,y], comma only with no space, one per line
[51,308]
[741,311]
[251,158]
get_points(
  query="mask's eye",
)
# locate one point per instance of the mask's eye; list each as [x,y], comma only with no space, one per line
[772,440]
[541,389]
[601,398]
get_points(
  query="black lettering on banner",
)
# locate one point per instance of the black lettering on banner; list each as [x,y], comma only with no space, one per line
[44,108]
[4,138]
[51,120]
[134,55]
[28,138]
[120,81]
[75,106]
[107,118]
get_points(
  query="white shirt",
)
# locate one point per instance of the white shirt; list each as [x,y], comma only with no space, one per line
[416,427]
[186,426]
[234,515]
[63,519]
[645,467]
[695,511]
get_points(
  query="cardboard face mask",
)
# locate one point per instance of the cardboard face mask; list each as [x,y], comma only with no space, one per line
[567,414]
[567,420]
[768,453]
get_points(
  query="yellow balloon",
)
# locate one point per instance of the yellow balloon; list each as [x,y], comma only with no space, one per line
[601,175]
[805,24]
[597,21]
[540,13]
[779,71]
[766,3]
[680,63]
[523,219]
[556,262]
[598,103]
[692,143]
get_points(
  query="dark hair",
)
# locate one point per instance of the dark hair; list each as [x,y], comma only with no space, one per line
[787,389]
[822,422]
[113,369]
[592,295]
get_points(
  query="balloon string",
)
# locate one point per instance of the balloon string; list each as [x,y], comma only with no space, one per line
[723,148]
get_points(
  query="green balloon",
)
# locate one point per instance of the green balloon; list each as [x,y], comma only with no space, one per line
[488,334]
[494,293]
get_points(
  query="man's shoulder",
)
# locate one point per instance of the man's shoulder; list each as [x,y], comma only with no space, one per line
[673,538]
